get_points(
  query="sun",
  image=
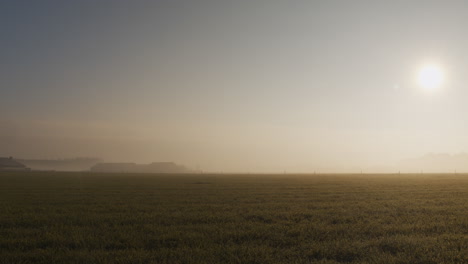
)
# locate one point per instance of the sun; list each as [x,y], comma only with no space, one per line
[430,77]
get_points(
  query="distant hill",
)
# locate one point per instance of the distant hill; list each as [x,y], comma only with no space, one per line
[437,162]
[77,164]
[155,167]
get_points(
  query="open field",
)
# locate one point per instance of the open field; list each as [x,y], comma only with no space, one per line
[128,218]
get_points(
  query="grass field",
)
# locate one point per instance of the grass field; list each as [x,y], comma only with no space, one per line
[129,218]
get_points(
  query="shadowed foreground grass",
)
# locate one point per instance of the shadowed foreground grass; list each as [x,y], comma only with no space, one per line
[127,218]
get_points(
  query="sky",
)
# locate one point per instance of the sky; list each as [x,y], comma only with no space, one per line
[234,86]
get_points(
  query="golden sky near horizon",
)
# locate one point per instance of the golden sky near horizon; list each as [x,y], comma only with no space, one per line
[235,85]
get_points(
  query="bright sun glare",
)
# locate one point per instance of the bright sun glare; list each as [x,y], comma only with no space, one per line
[430,77]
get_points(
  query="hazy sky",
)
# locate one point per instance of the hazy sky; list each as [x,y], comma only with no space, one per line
[233,85]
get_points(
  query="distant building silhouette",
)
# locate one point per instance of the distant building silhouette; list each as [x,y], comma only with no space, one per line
[10,164]
[155,167]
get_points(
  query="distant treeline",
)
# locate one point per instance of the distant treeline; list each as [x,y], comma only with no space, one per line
[76,164]
[96,165]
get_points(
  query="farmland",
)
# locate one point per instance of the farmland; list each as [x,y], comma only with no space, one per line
[55,217]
